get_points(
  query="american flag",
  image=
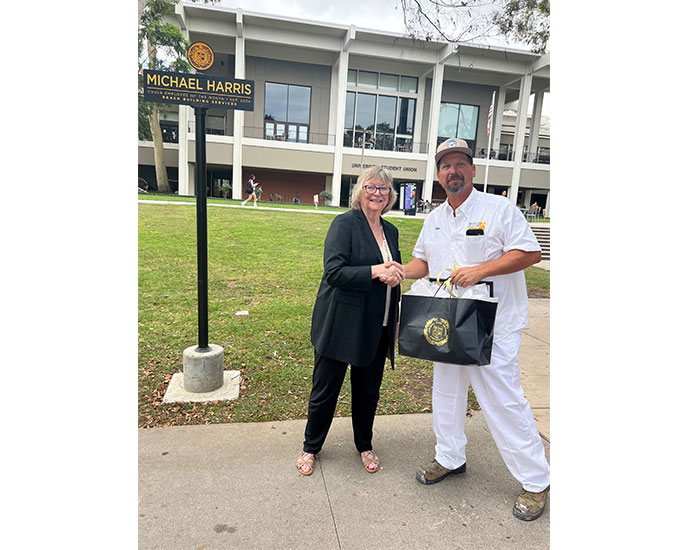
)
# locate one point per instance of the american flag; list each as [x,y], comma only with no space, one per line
[489,119]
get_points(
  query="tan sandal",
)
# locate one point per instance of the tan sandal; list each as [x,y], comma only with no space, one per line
[370,461]
[305,463]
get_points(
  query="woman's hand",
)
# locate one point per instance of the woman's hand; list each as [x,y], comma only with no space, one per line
[390,273]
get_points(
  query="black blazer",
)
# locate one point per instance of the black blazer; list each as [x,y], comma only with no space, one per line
[350,306]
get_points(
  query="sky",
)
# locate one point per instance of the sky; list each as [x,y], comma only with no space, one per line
[371,14]
[385,15]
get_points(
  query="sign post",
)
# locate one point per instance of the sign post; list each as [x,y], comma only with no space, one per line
[202,230]
[203,364]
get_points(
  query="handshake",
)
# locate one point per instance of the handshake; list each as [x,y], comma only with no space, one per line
[390,273]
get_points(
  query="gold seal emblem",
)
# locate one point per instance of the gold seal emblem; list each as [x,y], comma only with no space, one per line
[436,331]
[200,56]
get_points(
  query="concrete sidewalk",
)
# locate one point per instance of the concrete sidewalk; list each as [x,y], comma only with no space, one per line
[236,485]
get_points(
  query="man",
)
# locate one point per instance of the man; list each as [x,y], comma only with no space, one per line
[488,238]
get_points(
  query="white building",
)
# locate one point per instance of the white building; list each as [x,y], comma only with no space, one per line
[318,87]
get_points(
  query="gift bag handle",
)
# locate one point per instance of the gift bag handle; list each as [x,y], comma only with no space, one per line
[490,284]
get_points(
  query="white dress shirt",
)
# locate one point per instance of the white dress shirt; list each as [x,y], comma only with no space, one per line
[443,242]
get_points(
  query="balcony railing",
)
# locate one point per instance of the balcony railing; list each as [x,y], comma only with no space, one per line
[209,131]
[537,158]
[314,138]
[402,145]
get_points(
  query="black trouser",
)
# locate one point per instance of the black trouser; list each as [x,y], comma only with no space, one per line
[328,376]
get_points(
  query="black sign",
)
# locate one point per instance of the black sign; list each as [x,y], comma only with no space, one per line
[198,90]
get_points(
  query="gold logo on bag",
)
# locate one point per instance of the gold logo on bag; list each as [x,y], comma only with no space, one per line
[436,331]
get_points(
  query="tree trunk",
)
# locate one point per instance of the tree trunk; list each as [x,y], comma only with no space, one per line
[159,153]
[142,5]
[156,132]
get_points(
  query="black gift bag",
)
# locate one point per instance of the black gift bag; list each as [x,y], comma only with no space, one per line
[450,330]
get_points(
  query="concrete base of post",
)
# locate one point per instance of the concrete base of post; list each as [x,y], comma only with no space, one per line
[203,378]
[203,371]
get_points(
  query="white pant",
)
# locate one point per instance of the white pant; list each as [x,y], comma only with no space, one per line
[497,387]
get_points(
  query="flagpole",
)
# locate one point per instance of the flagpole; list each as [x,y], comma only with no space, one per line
[489,141]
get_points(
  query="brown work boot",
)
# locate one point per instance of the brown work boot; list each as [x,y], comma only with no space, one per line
[435,472]
[529,506]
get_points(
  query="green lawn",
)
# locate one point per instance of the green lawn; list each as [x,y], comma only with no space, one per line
[268,263]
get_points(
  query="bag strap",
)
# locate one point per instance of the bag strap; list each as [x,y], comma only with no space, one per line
[445,282]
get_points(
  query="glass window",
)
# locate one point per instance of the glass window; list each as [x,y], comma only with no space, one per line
[367,80]
[388,118]
[468,122]
[449,116]
[365,112]
[169,131]
[276,101]
[458,121]
[215,125]
[299,104]
[409,84]
[351,77]
[389,82]
[287,112]
[407,111]
[386,113]
[404,144]
[349,116]
[303,134]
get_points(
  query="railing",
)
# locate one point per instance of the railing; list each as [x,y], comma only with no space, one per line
[537,158]
[314,138]
[407,146]
[191,128]
[287,198]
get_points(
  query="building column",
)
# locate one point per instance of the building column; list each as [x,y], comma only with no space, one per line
[342,68]
[498,119]
[183,159]
[185,114]
[418,115]
[520,133]
[239,73]
[549,194]
[433,125]
[535,126]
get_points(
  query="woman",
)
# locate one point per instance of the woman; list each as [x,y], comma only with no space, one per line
[355,315]
[251,191]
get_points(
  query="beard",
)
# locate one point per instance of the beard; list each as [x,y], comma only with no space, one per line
[455,185]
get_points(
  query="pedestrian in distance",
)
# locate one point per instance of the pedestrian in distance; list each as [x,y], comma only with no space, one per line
[251,187]
[354,317]
[489,239]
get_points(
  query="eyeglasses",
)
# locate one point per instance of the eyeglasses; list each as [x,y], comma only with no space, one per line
[370,189]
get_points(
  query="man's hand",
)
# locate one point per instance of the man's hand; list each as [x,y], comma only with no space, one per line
[467,276]
[390,273]
[511,262]
[415,269]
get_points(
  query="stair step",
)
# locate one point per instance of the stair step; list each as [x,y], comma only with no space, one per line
[542,235]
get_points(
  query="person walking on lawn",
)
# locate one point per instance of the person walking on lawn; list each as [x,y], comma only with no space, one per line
[251,186]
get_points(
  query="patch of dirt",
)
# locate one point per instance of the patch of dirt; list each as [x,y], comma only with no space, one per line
[537,293]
